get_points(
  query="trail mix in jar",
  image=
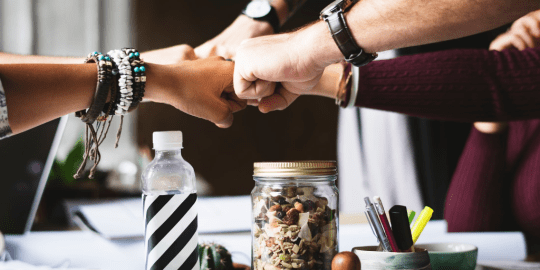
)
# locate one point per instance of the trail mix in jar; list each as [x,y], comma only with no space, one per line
[294,229]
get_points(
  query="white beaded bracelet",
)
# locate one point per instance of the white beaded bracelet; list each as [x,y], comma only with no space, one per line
[125,81]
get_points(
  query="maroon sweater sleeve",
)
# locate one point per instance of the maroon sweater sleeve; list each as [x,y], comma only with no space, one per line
[460,85]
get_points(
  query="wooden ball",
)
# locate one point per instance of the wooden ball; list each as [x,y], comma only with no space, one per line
[346,260]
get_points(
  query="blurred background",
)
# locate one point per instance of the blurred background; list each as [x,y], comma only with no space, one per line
[222,158]
[400,151]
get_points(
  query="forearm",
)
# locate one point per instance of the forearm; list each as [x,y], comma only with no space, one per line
[39,93]
[7,58]
[459,85]
[379,25]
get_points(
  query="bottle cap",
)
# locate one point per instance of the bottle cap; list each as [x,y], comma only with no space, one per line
[167,140]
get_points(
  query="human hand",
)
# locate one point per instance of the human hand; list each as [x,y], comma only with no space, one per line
[524,33]
[296,60]
[226,43]
[202,88]
[169,56]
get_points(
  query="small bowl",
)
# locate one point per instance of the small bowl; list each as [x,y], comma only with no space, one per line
[370,258]
[446,256]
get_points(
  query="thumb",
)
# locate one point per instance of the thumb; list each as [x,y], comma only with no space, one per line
[280,100]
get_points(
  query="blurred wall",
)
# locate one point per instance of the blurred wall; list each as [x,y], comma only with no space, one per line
[224,157]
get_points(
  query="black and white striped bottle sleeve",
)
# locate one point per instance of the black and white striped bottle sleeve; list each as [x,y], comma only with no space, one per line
[171,236]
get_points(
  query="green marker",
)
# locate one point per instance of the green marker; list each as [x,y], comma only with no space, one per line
[411,214]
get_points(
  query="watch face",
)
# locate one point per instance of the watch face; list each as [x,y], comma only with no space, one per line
[257,8]
[333,7]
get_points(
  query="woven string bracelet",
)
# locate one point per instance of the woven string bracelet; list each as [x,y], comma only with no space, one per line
[91,138]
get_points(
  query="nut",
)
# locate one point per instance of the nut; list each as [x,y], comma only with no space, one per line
[293,213]
[286,208]
[322,202]
[279,199]
[309,205]
[289,192]
[285,257]
[270,242]
[275,207]
[292,217]
[299,206]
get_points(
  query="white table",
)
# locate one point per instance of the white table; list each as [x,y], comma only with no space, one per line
[84,249]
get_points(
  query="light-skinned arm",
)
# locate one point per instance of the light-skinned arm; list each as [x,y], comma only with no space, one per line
[38,93]
[226,43]
[297,59]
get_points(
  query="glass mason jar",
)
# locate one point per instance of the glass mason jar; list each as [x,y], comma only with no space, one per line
[295,215]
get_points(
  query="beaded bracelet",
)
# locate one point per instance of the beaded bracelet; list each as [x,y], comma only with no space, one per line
[93,137]
[139,76]
[125,81]
[124,78]
[104,65]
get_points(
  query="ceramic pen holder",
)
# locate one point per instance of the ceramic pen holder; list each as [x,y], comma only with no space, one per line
[370,258]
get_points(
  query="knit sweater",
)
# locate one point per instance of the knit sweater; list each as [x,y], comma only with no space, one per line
[461,85]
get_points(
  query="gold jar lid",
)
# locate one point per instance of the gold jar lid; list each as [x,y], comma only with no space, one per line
[295,168]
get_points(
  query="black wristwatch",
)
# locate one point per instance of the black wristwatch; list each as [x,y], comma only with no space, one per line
[261,10]
[333,15]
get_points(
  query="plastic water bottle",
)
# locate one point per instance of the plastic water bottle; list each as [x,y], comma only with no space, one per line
[169,203]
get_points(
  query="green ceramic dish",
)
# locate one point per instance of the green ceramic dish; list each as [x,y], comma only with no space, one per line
[449,256]
[378,260]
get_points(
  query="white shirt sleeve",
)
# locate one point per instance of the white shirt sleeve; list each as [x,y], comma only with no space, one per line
[5,130]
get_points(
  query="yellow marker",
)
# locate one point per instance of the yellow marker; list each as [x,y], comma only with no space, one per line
[421,222]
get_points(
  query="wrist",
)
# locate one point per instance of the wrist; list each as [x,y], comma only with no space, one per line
[328,85]
[159,80]
[318,45]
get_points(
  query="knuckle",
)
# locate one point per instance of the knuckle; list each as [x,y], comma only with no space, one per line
[185,47]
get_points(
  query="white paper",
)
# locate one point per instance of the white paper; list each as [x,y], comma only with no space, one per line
[17,265]
[124,218]
[116,220]
[507,265]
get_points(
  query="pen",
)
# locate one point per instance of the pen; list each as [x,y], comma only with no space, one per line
[400,226]
[377,225]
[421,222]
[411,214]
[370,222]
[386,225]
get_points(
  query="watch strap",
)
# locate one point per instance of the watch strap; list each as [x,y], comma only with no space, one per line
[272,18]
[341,34]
